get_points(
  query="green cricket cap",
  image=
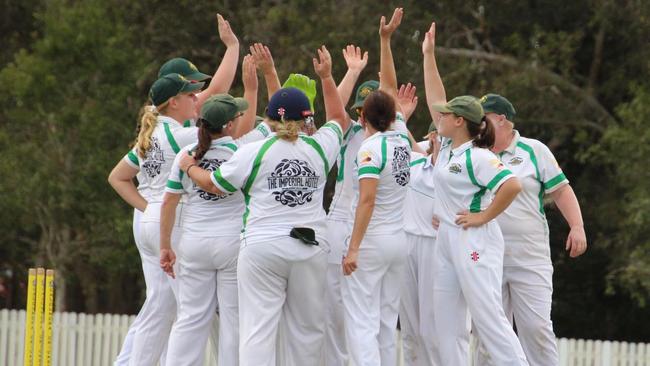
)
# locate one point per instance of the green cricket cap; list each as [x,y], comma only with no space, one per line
[183,67]
[495,103]
[170,86]
[363,91]
[465,106]
[220,109]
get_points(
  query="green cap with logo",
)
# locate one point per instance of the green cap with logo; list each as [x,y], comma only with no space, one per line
[220,109]
[170,86]
[494,103]
[465,106]
[183,67]
[363,91]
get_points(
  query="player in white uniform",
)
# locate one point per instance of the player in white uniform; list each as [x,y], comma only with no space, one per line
[161,137]
[210,241]
[416,305]
[220,83]
[281,266]
[528,272]
[468,258]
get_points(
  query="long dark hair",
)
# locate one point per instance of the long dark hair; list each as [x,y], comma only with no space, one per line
[482,134]
[379,110]
[205,140]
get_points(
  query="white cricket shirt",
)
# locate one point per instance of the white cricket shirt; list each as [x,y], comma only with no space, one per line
[419,203]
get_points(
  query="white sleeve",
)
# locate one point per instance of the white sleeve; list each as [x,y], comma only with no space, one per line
[185,136]
[330,137]
[232,174]
[260,132]
[488,170]
[175,180]
[132,158]
[369,162]
[549,170]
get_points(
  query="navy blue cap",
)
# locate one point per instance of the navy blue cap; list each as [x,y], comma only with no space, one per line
[289,104]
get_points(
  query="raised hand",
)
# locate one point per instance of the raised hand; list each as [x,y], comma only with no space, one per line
[249,73]
[407,100]
[323,65]
[354,59]
[226,34]
[262,57]
[429,42]
[386,30]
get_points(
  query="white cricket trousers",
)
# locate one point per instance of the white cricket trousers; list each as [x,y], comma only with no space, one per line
[468,267]
[527,295]
[336,352]
[208,274]
[371,297]
[281,281]
[416,305]
[157,314]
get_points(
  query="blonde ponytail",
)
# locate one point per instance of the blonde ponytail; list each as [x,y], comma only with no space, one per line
[148,122]
[288,130]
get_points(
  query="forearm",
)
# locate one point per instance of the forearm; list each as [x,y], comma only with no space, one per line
[248,119]
[334,109]
[225,74]
[129,193]
[272,81]
[202,179]
[388,79]
[566,200]
[167,219]
[503,198]
[433,86]
[362,217]
[346,87]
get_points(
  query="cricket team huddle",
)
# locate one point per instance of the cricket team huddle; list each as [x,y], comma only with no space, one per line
[448,234]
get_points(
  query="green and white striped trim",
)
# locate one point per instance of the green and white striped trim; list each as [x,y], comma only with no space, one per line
[475,206]
[133,158]
[313,143]
[263,129]
[222,182]
[418,161]
[229,145]
[334,126]
[170,138]
[533,159]
[371,170]
[251,178]
[173,185]
[552,183]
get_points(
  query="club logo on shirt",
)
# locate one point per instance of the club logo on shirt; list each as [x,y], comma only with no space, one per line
[455,168]
[293,182]
[474,256]
[210,165]
[153,159]
[516,161]
[401,169]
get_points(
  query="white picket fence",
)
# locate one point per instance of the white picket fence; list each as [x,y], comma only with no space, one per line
[95,340]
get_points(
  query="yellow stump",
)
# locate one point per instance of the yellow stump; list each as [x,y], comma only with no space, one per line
[29,318]
[38,319]
[49,309]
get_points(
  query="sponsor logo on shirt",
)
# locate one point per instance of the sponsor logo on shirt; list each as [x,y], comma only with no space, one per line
[210,165]
[516,161]
[400,168]
[293,182]
[474,255]
[455,168]
[153,159]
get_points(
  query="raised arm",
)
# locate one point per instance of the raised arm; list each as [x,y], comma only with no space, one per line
[249,77]
[356,63]
[225,74]
[433,87]
[334,109]
[388,79]
[264,61]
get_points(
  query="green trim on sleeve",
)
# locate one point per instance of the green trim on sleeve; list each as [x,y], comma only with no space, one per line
[251,178]
[223,182]
[133,158]
[383,153]
[405,137]
[171,139]
[533,158]
[232,147]
[475,206]
[313,143]
[174,185]
[418,161]
[263,130]
[555,181]
[336,128]
[369,170]
[187,123]
[497,178]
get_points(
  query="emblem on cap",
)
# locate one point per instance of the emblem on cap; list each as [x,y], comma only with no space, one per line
[483,99]
[191,65]
[365,92]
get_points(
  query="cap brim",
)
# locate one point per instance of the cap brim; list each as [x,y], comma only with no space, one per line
[442,108]
[193,86]
[198,76]
[241,103]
